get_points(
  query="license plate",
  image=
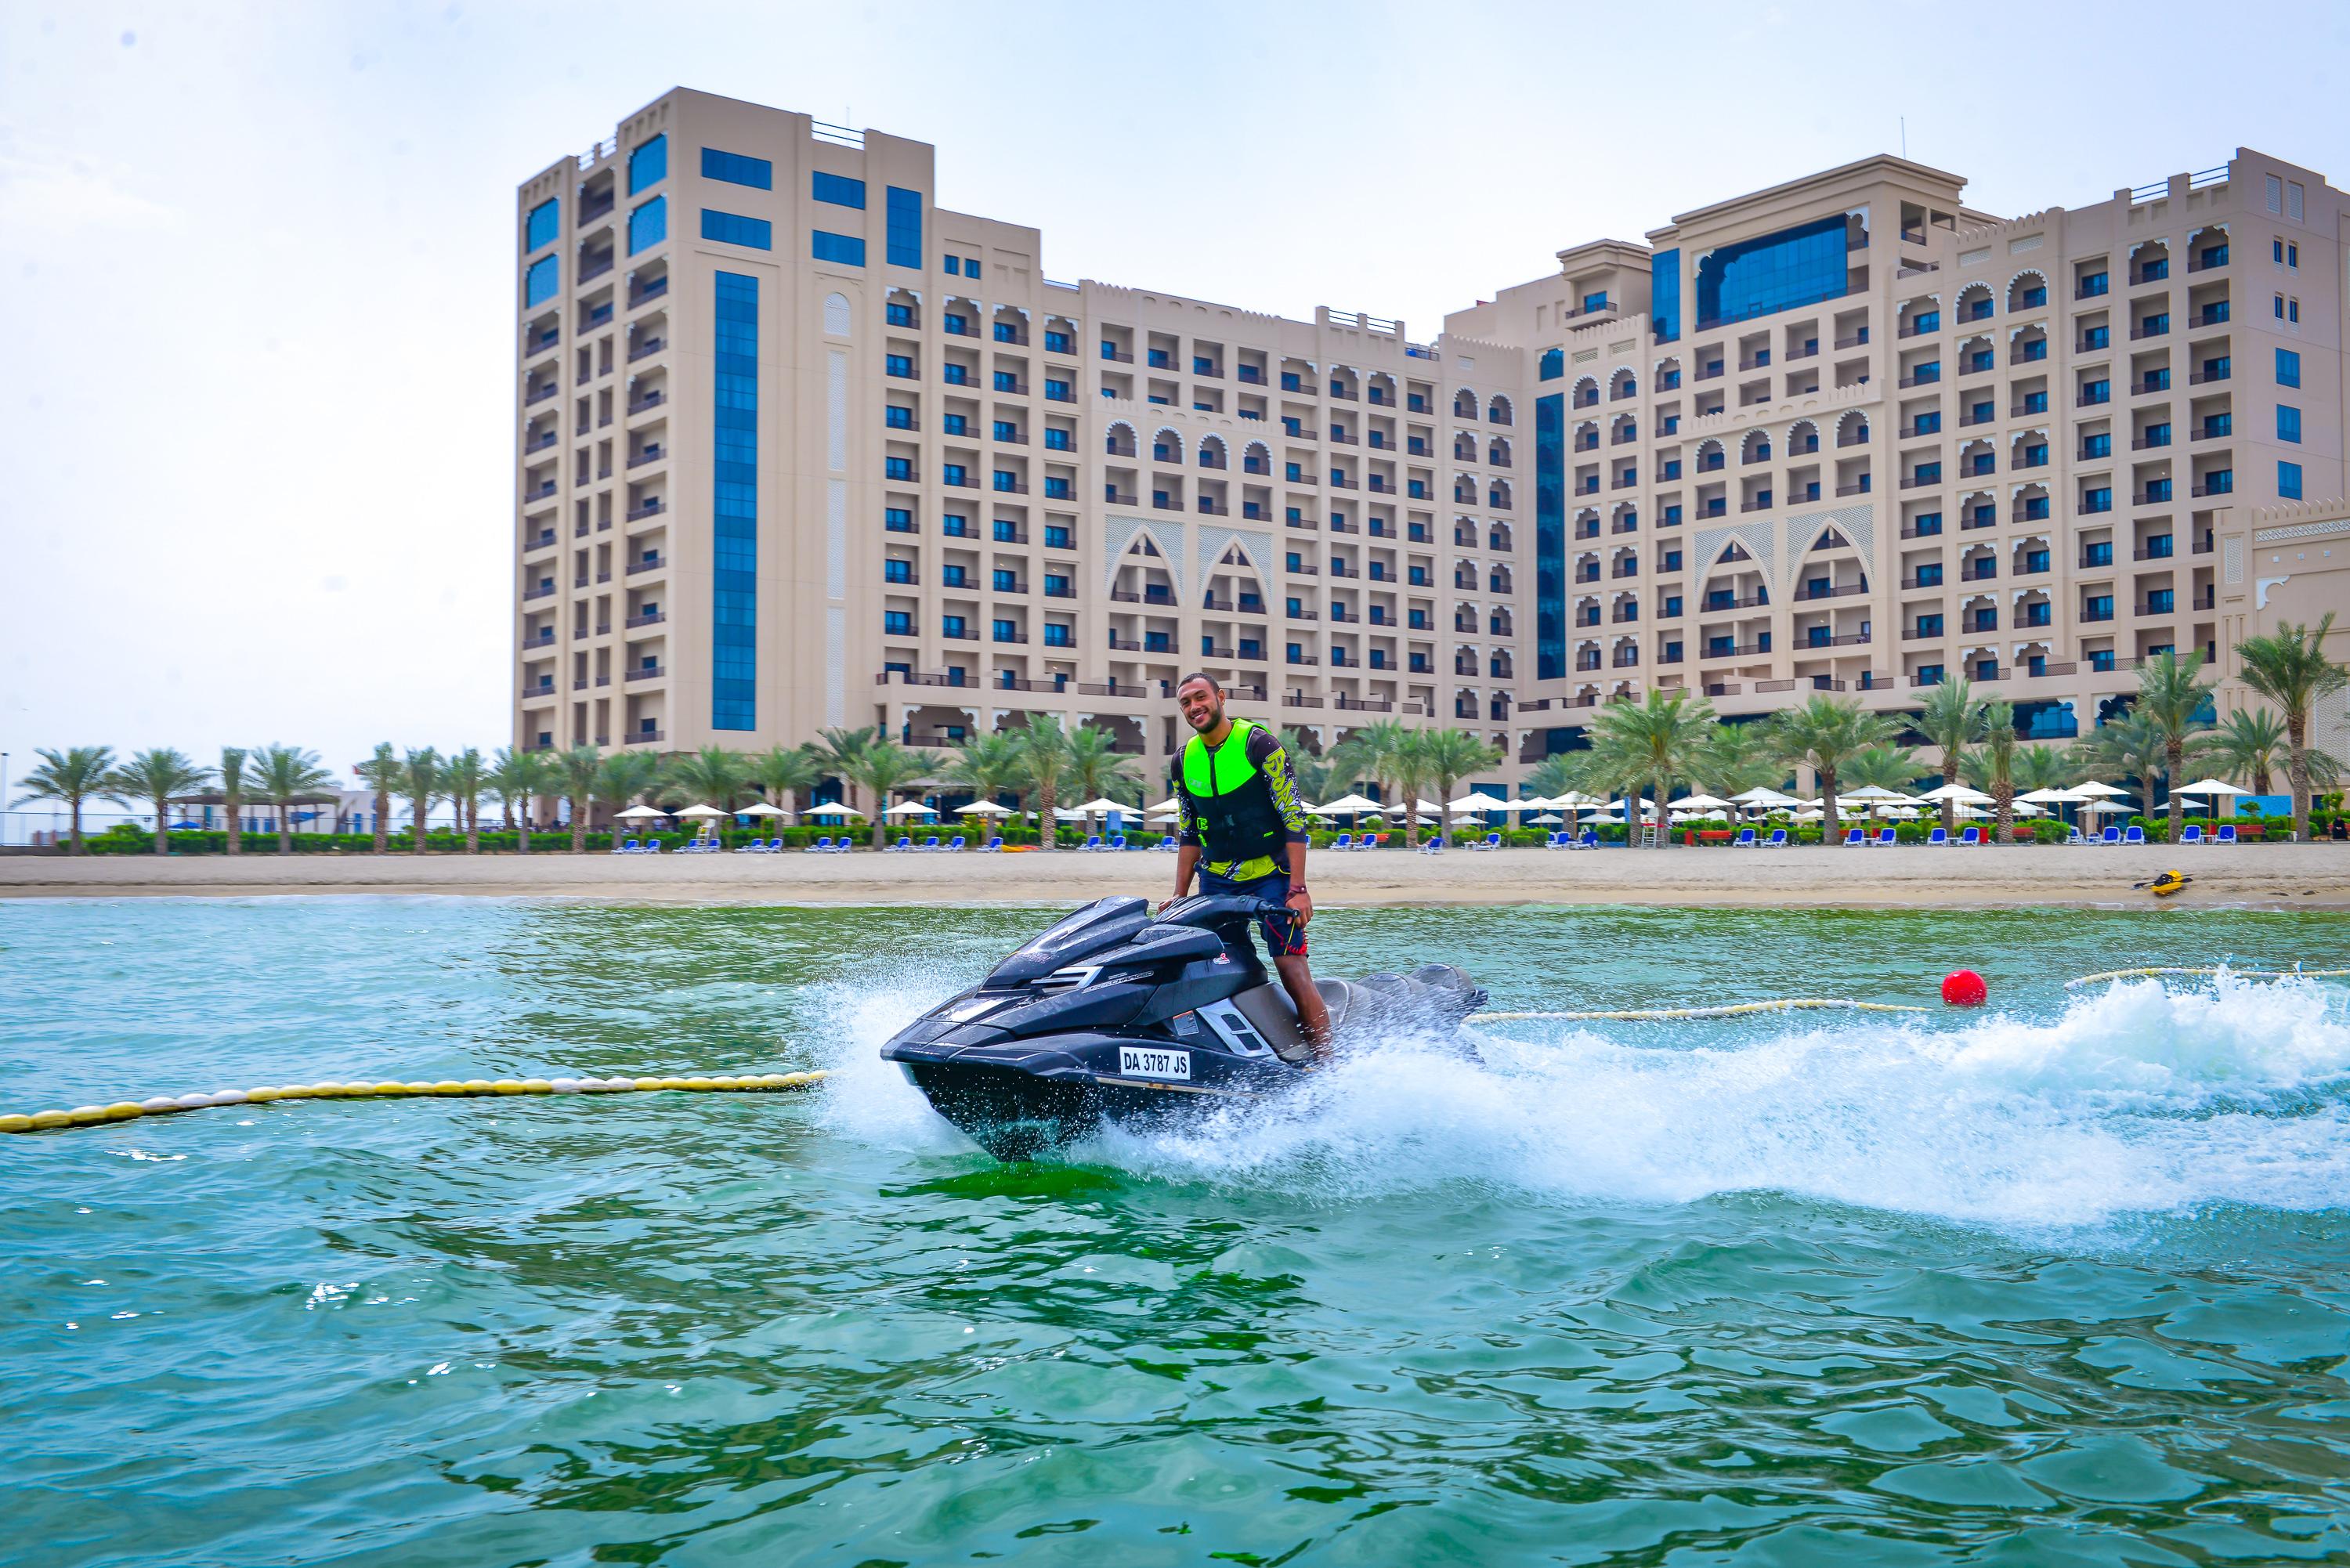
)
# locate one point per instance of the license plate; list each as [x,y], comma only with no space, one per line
[1137,1061]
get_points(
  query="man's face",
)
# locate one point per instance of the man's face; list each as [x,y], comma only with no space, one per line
[1202,705]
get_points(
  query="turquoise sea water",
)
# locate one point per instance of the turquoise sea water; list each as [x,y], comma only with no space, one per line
[2063,1282]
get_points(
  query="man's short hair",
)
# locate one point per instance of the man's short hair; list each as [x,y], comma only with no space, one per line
[1201,675]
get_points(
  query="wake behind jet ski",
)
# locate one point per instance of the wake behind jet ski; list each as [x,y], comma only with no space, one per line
[1112,1015]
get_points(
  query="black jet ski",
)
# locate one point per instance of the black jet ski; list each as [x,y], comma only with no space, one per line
[1113,1015]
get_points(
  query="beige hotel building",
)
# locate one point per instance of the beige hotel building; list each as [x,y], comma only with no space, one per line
[800,448]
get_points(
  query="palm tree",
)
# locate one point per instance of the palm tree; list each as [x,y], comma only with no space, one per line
[157,775]
[1413,770]
[1044,762]
[1096,770]
[621,778]
[575,770]
[1886,766]
[1822,735]
[1456,754]
[1656,740]
[1378,747]
[885,765]
[1950,719]
[2130,745]
[419,781]
[461,781]
[1554,775]
[1308,769]
[786,774]
[2291,670]
[381,772]
[2169,695]
[2247,747]
[713,775]
[283,773]
[2043,767]
[233,780]
[988,765]
[1998,754]
[515,778]
[838,750]
[1739,757]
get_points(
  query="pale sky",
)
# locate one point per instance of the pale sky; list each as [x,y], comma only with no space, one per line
[259,320]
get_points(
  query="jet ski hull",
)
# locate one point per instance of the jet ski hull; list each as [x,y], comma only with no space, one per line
[1115,1016]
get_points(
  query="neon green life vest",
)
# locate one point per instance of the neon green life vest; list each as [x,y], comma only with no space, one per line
[1239,818]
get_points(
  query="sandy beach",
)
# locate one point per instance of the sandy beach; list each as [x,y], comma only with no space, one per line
[2275,876]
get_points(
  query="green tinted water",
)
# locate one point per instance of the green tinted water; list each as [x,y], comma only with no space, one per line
[2063,1283]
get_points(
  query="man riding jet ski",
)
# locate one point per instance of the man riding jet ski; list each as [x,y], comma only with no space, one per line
[1112,1015]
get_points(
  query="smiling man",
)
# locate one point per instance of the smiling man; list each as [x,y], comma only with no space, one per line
[1244,832]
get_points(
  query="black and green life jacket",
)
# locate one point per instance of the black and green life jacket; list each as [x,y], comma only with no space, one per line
[1239,820]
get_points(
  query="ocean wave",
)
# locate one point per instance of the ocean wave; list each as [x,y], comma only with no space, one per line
[2140,1099]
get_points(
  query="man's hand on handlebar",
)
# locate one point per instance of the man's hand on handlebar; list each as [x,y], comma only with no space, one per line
[1301,904]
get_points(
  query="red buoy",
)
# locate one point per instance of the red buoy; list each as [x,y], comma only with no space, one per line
[1964,988]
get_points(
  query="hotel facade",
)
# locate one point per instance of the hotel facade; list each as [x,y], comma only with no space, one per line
[799,448]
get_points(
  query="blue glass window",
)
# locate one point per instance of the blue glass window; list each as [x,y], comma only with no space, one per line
[647,224]
[737,169]
[1553,364]
[1550,537]
[1781,271]
[540,280]
[837,188]
[2288,368]
[734,505]
[545,221]
[952,263]
[647,164]
[905,247]
[2288,422]
[1665,295]
[734,229]
[2289,481]
[846,250]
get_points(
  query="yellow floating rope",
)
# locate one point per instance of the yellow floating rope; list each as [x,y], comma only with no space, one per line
[392,1089]
[2240,973]
[1734,1010]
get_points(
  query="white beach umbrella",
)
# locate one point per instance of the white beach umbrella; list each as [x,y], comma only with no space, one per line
[982,808]
[1759,795]
[2209,787]
[701,811]
[1872,792]
[1968,813]
[1547,818]
[1103,803]
[1701,803]
[2093,788]
[761,809]
[1424,804]
[834,808]
[1809,814]
[2104,808]
[1068,814]
[905,808]
[1962,793]
[1169,804]
[1477,801]
[2021,808]
[639,812]
[2053,797]
[1346,806]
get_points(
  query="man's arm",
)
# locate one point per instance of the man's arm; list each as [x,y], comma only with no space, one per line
[1275,765]
[1187,860]
[1187,829]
